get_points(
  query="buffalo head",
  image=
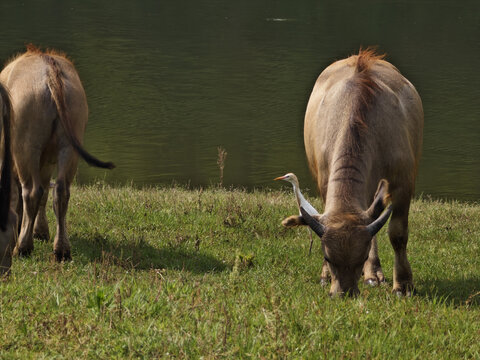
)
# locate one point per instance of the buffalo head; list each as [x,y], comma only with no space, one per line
[347,239]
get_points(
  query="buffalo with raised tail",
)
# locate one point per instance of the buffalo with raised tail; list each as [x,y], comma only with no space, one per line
[363,137]
[51,114]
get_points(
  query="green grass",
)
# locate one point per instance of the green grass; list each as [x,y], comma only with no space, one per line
[176,273]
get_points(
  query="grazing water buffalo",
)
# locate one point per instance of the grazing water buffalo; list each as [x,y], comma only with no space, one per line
[8,218]
[363,138]
[51,113]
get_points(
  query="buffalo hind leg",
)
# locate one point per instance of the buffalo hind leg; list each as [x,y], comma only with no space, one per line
[372,269]
[67,167]
[32,193]
[398,233]
[61,196]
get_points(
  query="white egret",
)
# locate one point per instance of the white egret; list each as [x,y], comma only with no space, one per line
[301,201]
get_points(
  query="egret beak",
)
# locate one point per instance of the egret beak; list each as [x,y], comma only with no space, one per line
[281,177]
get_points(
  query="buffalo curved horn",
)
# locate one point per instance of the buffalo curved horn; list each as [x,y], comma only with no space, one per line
[375,226]
[318,228]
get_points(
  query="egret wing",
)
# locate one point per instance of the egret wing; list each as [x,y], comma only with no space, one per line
[307,206]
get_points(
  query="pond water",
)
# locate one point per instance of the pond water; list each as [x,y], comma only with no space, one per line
[168,82]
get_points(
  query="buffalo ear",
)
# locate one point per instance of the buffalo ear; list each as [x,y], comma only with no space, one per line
[293,221]
[379,201]
[296,220]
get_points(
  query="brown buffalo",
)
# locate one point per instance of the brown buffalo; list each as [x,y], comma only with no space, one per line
[8,218]
[51,114]
[363,139]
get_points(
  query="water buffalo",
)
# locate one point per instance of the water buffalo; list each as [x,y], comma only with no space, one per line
[8,218]
[363,137]
[51,114]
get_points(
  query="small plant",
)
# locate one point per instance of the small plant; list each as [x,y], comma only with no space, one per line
[222,156]
[243,261]
[99,300]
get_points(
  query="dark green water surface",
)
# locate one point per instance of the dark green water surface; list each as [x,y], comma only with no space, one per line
[170,81]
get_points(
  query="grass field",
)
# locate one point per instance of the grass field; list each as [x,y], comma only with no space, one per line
[176,273]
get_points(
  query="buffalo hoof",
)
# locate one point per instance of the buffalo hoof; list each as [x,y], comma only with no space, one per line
[22,251]
[404,291]
[371,282]
[42,236]
[63,256]
[401,294]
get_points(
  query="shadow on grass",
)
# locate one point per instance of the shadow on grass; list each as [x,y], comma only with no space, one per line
[454,292]
[143,256]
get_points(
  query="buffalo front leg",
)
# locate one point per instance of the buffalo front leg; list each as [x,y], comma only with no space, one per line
[325,276]
[7,243]
[398,233]
[372,269]
[40,229]
[17,202]
[32,194]
[6,248]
